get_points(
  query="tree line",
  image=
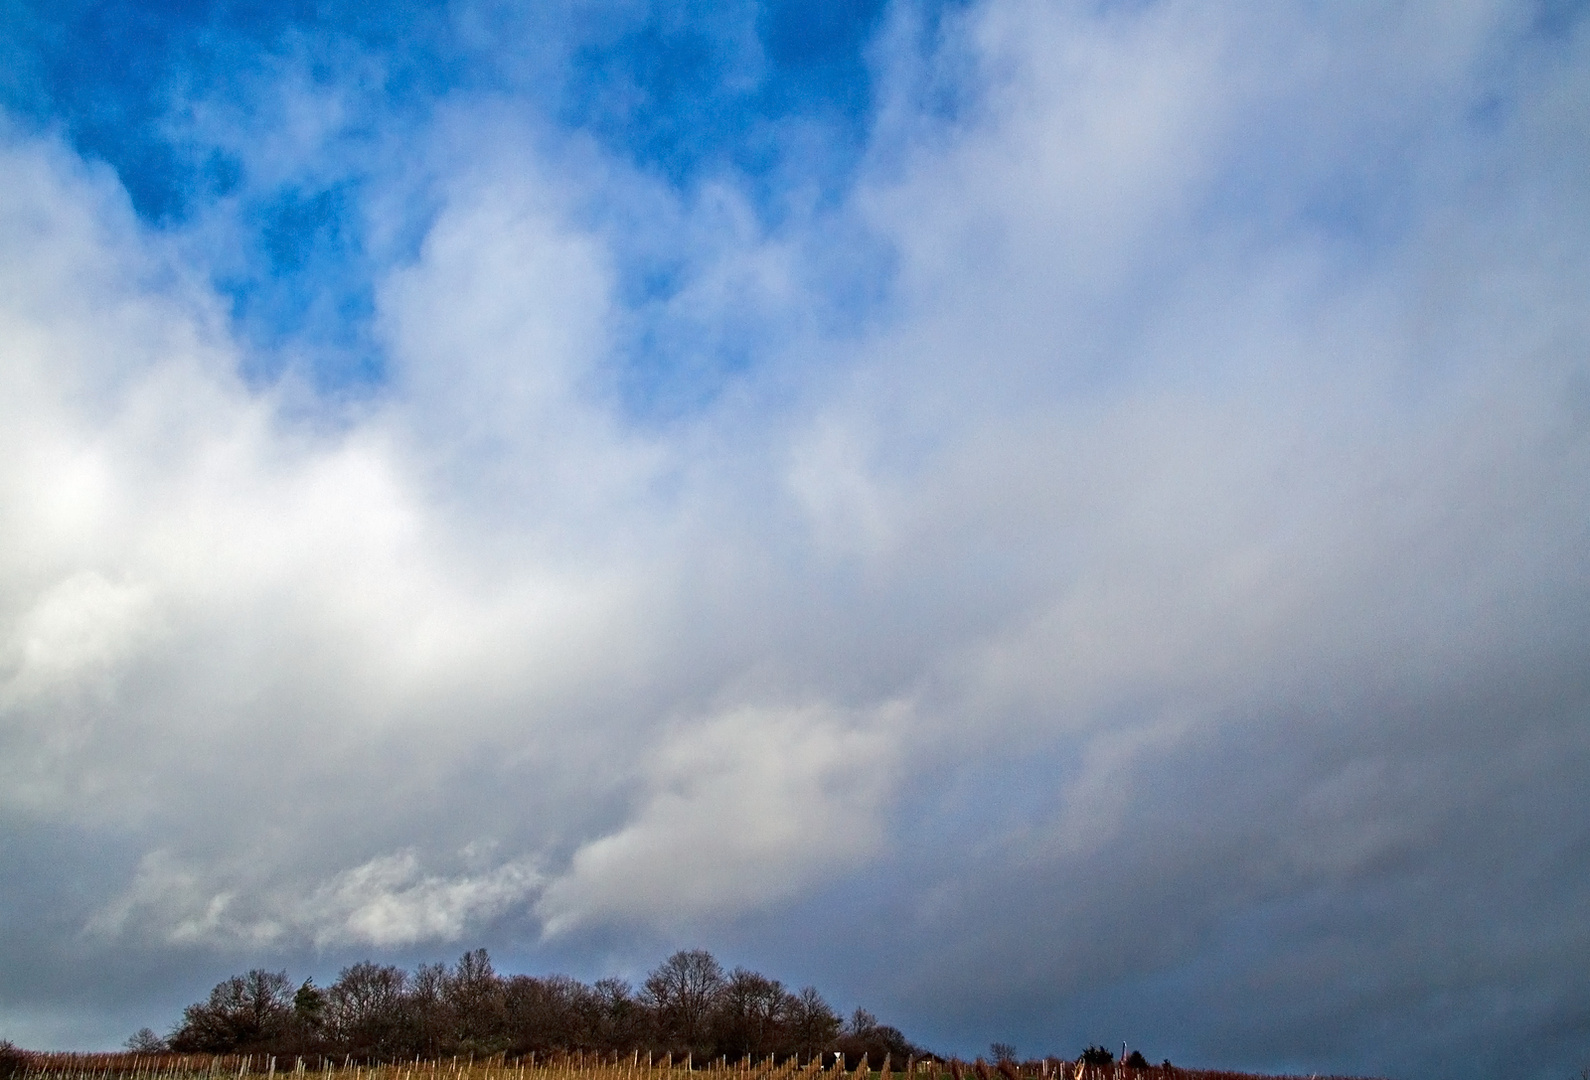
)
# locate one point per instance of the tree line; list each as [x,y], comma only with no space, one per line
[373,1012]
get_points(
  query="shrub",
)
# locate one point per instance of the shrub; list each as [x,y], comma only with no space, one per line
[13,1059]
[145,1041]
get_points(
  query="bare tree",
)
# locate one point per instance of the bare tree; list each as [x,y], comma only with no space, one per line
[429,1010]
[863,1038]
[375,1012]
[249,1011]
[625,1021]
[476,995]
[365,1010]
[145,1041]
[752,1010]
[682,991]
[813,1024]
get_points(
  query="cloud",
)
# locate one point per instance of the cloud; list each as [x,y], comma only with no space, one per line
[251,588]
[1120,562]
[384,902]
[739,810]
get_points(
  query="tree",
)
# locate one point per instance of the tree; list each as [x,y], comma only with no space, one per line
[864,1038]
[14,1061]
[624,1021]
[246,1012]
[751,1013]
[476,996]
[813,1025]
[682,992]
[145,1041]
[309,1010]
[552,1013]
[429,1009]
[381,1013]
[1002,1053]
[366,1012]
[537,1014]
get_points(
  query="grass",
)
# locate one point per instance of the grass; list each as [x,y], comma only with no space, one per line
[559,1066]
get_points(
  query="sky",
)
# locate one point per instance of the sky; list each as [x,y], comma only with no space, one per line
[1057,522]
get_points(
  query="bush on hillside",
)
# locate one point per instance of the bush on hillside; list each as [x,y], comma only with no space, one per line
[1098,1055]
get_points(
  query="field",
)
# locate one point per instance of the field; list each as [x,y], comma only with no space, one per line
[575,1066]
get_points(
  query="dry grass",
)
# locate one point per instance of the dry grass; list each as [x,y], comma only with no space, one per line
[560,1066]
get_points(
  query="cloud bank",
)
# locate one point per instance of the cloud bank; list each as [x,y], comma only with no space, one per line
[1108,561]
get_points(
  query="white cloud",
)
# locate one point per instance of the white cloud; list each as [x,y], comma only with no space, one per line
[81,626]
[385,902]
[737,811]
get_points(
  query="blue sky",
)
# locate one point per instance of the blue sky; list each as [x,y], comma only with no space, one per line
[778,98]
[1057,522]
